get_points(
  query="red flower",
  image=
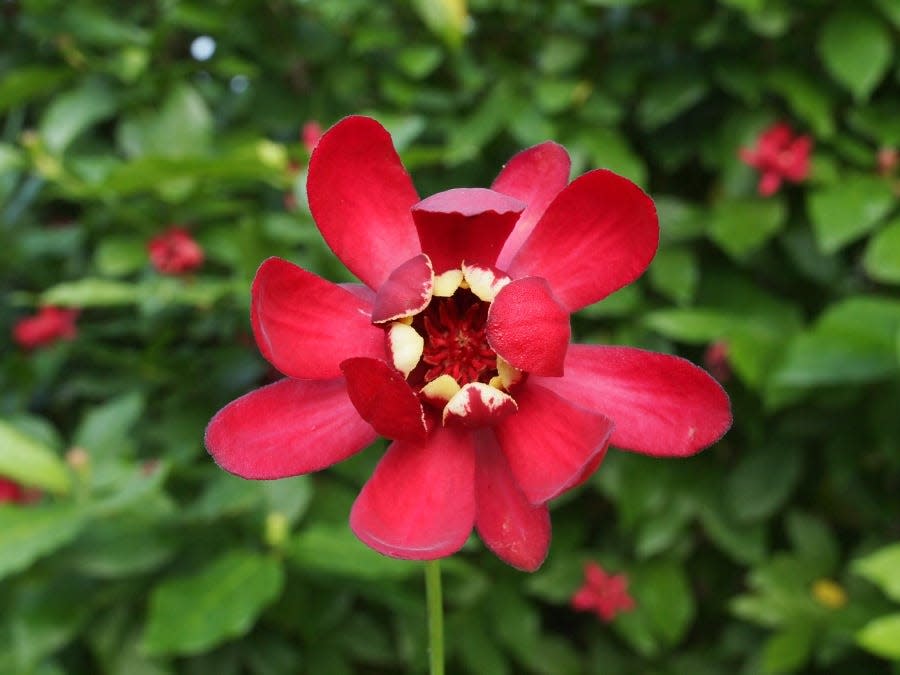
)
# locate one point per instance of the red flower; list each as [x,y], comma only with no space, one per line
[604,594]
[457,348]
[779,155]
[175,252]
[46,327]
[715,358]
[310,135]
[11,492]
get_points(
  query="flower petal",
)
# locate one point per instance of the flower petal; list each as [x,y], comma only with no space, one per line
[535,176]
[420,502]
[360,196]
[287,428]
[598,235]
[384,399]
[529,328]
[477,405]
[305,326]
[406,292]
[550,442]
[663,405]
[517,531]
[465,224]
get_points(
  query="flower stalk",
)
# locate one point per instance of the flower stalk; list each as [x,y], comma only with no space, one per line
[434,602]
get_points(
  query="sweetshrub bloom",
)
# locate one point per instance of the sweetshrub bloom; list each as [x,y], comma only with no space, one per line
[779,155]
[48,326]
[457,347]
[606,595]
[175,252]
[11,492]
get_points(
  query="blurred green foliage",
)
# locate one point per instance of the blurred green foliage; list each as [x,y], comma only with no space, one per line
[774,551]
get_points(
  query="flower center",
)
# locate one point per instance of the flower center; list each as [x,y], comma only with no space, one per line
[455,339]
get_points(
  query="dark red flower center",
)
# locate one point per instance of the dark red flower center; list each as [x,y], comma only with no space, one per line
[455,339]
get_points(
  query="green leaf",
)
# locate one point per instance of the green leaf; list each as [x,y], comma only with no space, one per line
[91,292]
[28,533]
[669,98]
[788,649]
[881,636]
[807,97]
[882,256]
[189,615]
[181,128]
[763,480]
[740,227]
[21,85]
[336,551]
[30,462]
[120,256]
[104,430]
[448,19]
[675,273]
[882,568]
[854,341]
[845,211]
[813,542]
[856,48]
[73,112]
[609,149]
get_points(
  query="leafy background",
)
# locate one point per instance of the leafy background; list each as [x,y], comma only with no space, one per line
[775,551]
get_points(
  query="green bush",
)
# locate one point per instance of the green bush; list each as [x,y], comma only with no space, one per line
[773,551]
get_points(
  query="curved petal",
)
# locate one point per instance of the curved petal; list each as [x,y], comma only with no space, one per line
[360,196]
[550,442]
[662,405]
[406,292]
[529,328]
[535,176]
[598,235]
[287,428]
[465,224]
[420,502]
[384,399]
[305,326]
[478,405]
[517,531]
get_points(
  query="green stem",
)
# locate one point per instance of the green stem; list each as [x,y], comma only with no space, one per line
[435,617]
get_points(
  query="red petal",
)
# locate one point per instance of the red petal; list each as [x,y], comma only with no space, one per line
[305,326]
[478,405]
[420,502]
[529,328]
[550,442]
[286,429]
[360,196]
[598,235]
[514,529]
[465,224]
[384,399]
[662,405]
[534,176]
[406,292]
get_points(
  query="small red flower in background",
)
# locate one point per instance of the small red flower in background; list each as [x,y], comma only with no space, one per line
[310,135]
[604,594]
[11,492]
[175,252]
[49,325]
[715,358]
[457,347]
[779,155]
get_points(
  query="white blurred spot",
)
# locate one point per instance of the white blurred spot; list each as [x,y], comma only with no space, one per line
[203,47]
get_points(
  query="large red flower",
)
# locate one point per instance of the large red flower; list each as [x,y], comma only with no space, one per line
[457,347]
